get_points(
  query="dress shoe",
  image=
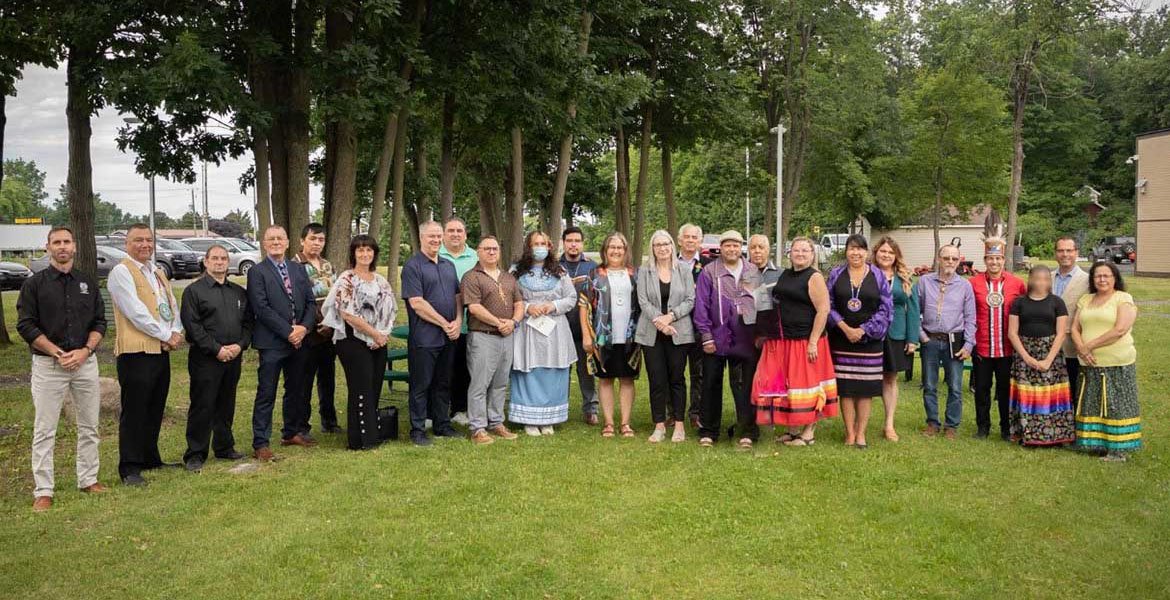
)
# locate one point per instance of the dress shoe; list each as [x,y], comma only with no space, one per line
[1005,436]
[334,428]
[42,503]
[169,465]
[591,419]
[481,438]
[502,432]
[96,488]
[233,455]
[695,421]
[951,433]
[419,438]
[264,454]
[194,465]
[297,440]
[448,432]
[982,433]
[134,480]
[930,431]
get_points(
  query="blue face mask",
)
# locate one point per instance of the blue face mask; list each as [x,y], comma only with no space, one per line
[539,253]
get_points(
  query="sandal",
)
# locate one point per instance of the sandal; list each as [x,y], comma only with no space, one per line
[657,436]
[786,437]
[678,436]
[627,431]
[607,431]
[800,441]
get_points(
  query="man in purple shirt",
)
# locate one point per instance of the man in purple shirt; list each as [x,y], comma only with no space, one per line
[947,302]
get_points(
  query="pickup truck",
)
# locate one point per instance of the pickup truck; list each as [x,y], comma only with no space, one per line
[1119,249]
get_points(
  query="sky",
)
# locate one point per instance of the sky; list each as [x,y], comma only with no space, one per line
[37,131]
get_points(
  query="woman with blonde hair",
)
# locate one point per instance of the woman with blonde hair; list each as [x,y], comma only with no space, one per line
[901,339]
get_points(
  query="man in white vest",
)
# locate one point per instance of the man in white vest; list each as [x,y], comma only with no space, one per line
[148,328]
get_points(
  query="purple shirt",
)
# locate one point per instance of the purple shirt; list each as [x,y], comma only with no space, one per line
[948,312]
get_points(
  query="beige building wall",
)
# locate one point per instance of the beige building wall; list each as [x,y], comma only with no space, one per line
[1153,204]
[917,242]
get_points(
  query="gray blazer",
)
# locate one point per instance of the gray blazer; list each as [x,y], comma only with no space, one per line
[680,302]
[1078,286]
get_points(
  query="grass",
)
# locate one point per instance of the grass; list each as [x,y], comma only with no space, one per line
[578,516]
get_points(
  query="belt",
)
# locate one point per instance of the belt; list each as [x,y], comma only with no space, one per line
[495,333]
[938,336]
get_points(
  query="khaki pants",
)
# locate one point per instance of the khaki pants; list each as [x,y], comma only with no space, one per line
[49,384]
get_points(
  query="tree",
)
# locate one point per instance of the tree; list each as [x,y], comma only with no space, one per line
[22,192]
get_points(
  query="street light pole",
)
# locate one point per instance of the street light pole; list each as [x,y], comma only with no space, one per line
[150,217]
[747,194]
[779,131]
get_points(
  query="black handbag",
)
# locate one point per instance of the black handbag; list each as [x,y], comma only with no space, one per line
[387,423]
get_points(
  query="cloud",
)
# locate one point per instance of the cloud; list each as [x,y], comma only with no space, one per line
[37,131]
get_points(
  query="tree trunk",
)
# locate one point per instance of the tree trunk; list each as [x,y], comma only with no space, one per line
[515,216]
[399,154]
[260,164]
[423,210]
[79,180]
[556,208]
[448,163]
[5,339]
[936,221]
[621,217]
[643,182]
[382,177]
[668,191]
[489,210]
[339,33]
[1021,80]
[296,123]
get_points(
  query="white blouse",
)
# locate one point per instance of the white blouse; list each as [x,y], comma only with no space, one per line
[620,308]
[373,301]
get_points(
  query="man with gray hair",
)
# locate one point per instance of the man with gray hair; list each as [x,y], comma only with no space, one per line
[690,241]
[434,312]
[947,302]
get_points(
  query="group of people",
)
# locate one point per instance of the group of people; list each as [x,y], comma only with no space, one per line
[489,343]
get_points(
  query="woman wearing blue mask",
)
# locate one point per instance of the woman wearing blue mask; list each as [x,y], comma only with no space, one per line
[543,347]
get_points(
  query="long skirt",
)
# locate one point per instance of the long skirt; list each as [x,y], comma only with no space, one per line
[1041,405]
[787,388]
[539,396]
[1108,415]
[858,367]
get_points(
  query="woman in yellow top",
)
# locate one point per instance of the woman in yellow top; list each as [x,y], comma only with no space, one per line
[1108,418]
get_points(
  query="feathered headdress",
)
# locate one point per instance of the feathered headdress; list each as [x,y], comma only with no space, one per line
[993,235]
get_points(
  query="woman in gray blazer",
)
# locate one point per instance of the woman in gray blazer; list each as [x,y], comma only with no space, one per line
[666,295]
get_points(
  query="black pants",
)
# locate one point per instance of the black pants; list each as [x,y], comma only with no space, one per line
[364,369]
[695,356]
[1073,366]
[460,377]
[430,386]
[145,380]
[320,366]
[666,366]
[295,406]
[711,415]
[982,372]
[213,404]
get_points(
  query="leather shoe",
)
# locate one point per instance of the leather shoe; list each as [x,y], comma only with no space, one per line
[167,465]
[264,454]
[420,439]
[233,455]
[951,433]
[930,431]
[481,437]
[134,480]
[96,488]
[333,429]
[502,432]
[591,419]
[449,432]
[42,503]
[194,465]
[297,440]
[982,433]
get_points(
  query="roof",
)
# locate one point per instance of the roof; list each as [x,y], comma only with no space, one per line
[175,234]
[1153,133]
[952,216]
[23,237]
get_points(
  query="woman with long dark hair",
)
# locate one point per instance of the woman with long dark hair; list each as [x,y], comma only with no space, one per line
[902,336]
[542,346]
[360,308]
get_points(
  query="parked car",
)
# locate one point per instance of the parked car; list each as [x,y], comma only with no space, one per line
[829,244]
[107,257]
[12,275]
[176,259]
[1119,249]
[709,247]
[240,256]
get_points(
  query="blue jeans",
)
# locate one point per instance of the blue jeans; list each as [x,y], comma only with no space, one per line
[935,354]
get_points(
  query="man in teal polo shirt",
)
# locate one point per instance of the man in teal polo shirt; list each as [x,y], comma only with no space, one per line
[455,249]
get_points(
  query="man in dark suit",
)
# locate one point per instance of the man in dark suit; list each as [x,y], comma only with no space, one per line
[281,296]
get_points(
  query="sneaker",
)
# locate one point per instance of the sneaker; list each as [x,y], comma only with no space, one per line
[481,437]
[532,431]
[546,430]
[460,418]
[448,432]
[706,442]
[419,438]
[502,432]
[745,444]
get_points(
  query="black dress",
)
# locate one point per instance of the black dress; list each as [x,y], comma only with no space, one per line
[858,365]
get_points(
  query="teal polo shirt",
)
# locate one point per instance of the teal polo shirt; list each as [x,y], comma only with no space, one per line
[464,262]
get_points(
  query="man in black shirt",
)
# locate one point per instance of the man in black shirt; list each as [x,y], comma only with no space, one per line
[62,317]
[218,321]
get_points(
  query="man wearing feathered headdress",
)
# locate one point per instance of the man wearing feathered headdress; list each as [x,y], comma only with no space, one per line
[995,290]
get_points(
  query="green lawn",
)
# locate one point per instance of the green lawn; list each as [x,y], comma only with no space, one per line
[578,516]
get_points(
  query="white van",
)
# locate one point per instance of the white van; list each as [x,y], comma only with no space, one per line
[830,243]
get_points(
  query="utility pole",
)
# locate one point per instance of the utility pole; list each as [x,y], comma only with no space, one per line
[194,218]
[204,198]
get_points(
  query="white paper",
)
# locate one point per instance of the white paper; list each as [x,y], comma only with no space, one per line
[542,324]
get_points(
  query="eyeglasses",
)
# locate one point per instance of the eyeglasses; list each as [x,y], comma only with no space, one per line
[661,245]
[949,258]
[490,249]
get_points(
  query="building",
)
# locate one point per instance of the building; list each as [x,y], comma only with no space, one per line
[1152,199]
[23,238]
[917,240]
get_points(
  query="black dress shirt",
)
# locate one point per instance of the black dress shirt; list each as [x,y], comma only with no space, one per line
[64,307]
[216,314]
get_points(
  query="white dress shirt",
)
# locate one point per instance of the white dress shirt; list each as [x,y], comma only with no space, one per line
[125,297]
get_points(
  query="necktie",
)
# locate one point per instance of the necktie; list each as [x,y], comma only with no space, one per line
[284,277]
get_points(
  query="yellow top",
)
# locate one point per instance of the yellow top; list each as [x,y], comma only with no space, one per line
[1096,320]
[129,339]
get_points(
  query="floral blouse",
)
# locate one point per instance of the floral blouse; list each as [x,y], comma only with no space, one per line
[373,301]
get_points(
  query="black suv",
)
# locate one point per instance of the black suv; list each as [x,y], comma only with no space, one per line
[1119,249]
[176,259]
